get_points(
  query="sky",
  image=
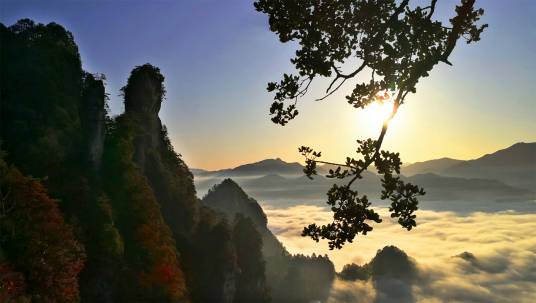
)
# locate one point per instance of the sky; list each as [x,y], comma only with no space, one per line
[217,57]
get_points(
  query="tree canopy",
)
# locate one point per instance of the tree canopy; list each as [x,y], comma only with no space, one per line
[385,47]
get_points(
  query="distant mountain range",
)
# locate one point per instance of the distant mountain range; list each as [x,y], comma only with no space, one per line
[268,166]
[508,174]
[515,166]
[435,166]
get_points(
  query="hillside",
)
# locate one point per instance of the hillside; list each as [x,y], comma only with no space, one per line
[515,165]
[504,174]
[291,190]
[292,278]
[103,207]
[228,198]
[436,166]
[468,189]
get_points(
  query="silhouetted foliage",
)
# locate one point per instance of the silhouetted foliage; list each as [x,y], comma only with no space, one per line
[36,240]
[128,197]
[353,272]
[145,83]
[230,199]
[212,260]
[152,271]
[396,45]
[52,126]
[308,278]
[389,261]
[12,283]
[41,85]
[251,284]
[290,278]
[391,271]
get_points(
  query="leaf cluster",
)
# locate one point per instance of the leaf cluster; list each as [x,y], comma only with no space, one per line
[350,212]
[390,45]
[395,43]
[349,219]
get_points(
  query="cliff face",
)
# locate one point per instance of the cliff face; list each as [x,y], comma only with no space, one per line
[198,233]
[93,118]
[143,98]
[169,176]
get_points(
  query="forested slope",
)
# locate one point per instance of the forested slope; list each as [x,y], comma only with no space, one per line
[98,208]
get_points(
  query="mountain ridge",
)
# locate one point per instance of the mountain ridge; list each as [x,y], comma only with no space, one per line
[443,178]
[288,275]
[519,154]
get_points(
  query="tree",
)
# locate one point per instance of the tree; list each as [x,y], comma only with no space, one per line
[36,241]
[251,284]
[396,45]
[152,268]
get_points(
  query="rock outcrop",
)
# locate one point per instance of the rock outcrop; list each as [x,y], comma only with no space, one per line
[198,233]
[93,118]
[230,199]
[144,93]
[291,278]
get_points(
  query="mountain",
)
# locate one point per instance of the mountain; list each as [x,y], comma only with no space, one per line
[453,188]
[302,188]
[269,166]
[291,190]
[518,155]
[112,214]
[391,271]
[432,166]
[271,180]
[263,167]
[199,172]
[295,278]
[229,199]
[515,165]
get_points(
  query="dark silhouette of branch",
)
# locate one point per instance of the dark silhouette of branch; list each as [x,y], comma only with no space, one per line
[400,45]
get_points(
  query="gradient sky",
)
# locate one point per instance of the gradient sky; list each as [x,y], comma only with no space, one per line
[217,57]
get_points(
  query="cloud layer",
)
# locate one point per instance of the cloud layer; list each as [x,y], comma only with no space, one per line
[480,257]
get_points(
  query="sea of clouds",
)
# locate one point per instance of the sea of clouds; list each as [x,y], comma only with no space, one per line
[476,257]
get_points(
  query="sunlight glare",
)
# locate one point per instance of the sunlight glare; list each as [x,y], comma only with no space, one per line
[371,118]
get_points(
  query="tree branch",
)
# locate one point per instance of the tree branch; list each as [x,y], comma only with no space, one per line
[379,34]
[432,9]
[379,141]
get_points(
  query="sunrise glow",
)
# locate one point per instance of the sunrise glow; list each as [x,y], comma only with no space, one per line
[371,118]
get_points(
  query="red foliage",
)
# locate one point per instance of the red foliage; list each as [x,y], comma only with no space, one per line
[40,243]
[162,269]
[12,286]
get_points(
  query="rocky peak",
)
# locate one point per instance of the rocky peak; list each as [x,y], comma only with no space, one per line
[143,96]
[144,91]
[229,198]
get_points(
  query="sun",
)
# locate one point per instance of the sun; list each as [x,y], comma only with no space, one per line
[379,112]
[372,117]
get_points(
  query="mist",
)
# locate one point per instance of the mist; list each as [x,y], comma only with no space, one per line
[477,257]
